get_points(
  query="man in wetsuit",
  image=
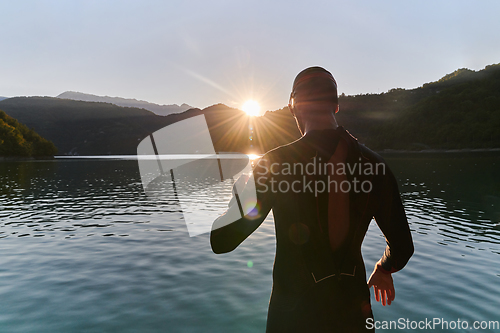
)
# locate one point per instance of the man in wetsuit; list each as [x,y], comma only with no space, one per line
[324,190]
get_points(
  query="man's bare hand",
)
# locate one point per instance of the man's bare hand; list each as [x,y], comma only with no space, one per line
[383,286]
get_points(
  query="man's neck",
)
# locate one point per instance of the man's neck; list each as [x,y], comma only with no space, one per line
[322,122]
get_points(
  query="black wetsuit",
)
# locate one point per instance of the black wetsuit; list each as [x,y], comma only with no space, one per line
[319,278]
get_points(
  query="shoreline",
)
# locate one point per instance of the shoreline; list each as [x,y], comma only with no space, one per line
[126,157]
[436,151]
[25,158]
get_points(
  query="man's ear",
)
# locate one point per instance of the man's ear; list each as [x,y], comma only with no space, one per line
[290,107]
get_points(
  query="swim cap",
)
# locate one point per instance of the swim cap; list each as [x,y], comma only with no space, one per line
[311,73]
[315,84]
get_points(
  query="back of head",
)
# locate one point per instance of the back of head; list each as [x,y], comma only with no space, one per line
[314,84]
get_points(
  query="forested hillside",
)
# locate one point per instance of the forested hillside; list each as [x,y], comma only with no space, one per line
[17,140]
[463,111]
[84,128]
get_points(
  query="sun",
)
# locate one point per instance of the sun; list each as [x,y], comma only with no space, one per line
[251,107]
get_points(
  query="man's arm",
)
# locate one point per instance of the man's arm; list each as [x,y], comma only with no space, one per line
[391,219]
[226,235]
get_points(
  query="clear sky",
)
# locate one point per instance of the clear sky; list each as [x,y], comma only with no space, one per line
[207,52]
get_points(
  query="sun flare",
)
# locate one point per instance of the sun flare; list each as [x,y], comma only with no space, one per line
[251,107]
[253,157]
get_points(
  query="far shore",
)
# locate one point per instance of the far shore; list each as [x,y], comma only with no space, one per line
[25,158]
[441,151]
[382,152]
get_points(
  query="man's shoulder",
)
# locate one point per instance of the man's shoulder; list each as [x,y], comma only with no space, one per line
[369,154]
[283,151]
[367,157]
[358,148]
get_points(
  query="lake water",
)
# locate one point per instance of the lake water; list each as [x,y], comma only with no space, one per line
[82,249]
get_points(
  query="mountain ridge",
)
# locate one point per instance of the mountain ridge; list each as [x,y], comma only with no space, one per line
[158,109]
[460,110]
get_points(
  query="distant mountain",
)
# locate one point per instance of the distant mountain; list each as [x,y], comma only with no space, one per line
[17,140]
[161,110]
[2,98]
